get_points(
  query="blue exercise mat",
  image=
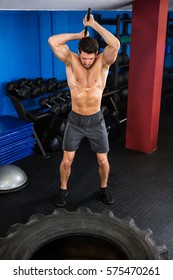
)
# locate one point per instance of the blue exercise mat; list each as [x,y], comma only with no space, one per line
[16,157]
[16,139]
[23,143]
[13,129]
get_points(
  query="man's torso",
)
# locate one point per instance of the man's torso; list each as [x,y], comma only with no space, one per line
[86,85]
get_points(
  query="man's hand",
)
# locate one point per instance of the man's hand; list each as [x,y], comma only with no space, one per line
[82,34]
[89,22]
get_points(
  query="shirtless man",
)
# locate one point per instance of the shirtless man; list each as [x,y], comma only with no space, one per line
[86,75]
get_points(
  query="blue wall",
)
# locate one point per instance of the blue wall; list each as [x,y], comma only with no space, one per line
[24,50]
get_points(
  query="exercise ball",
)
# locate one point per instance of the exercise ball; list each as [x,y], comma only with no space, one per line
[12,178]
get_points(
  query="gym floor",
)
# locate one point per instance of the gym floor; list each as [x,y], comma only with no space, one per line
[142,184]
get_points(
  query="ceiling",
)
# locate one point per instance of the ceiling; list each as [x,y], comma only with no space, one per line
[69,4]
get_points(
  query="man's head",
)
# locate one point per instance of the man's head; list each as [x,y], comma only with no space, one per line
[88,50]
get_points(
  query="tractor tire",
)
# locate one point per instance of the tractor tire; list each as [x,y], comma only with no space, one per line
[81,234]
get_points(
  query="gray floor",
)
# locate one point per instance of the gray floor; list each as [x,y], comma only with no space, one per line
[141,184]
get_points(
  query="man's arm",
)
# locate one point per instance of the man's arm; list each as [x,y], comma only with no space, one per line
[59,47]
[113,44]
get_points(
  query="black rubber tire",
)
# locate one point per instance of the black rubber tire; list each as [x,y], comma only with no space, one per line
[23,241]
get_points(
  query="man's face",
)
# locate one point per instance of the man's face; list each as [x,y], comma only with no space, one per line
[87,60]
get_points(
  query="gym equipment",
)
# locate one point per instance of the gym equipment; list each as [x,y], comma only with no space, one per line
[110,81]
[59,101]
[54,236]
[120,79]
[44,102]
[12,178]
[113,126]
[21,92]
[35,91]
[41,84]
[25,82]
[120,59]
[58,126]
[125,76]
[67,97]
[125,39]
[39,81]
[52,142]
[123,94]
[104,110]
[16,139]
[125,59]
[52,84]
[88,17]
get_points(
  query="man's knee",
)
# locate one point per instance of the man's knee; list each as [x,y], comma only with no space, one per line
[103,161]
[67,160]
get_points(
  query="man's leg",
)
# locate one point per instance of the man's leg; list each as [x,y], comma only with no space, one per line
[65,168]
[65,171]
[104,169]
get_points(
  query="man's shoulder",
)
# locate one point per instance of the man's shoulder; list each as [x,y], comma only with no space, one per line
[74,55]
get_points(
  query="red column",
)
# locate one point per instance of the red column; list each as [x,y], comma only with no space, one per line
[149,21]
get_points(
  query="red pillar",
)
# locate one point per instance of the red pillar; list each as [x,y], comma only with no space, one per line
[149,21]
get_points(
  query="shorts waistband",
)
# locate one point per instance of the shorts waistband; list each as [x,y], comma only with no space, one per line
[86,116]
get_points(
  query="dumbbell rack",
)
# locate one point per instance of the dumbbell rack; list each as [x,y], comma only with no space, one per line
[31,115]
[28,116]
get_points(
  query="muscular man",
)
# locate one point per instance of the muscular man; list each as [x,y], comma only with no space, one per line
[86,76]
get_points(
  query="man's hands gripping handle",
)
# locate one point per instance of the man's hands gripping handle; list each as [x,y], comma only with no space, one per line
[88,17]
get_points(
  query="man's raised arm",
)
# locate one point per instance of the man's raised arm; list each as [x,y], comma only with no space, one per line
[59,47]
[113,44]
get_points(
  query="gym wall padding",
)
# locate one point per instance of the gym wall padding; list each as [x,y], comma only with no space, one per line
[24,49]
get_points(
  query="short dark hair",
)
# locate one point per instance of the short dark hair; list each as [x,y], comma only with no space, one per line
[88,45]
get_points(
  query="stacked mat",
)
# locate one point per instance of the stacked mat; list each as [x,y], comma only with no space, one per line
[16,139]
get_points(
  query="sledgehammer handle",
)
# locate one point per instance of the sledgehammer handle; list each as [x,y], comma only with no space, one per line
[88,17]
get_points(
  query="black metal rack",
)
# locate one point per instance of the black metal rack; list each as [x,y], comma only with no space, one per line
[34,115]
[115,74]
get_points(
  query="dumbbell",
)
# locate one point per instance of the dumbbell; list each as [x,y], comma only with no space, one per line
[58,100]
[62,84]
[66,95]
[104,109]
[44,102]
[52,84]
[113,126]
[27,83]
[22,92]
[58,94]
[40,82]
[58,126]
[52,142]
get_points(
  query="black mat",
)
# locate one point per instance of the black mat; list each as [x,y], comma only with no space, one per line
[141,184]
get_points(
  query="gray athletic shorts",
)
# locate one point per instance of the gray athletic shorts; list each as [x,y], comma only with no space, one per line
[91,126]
